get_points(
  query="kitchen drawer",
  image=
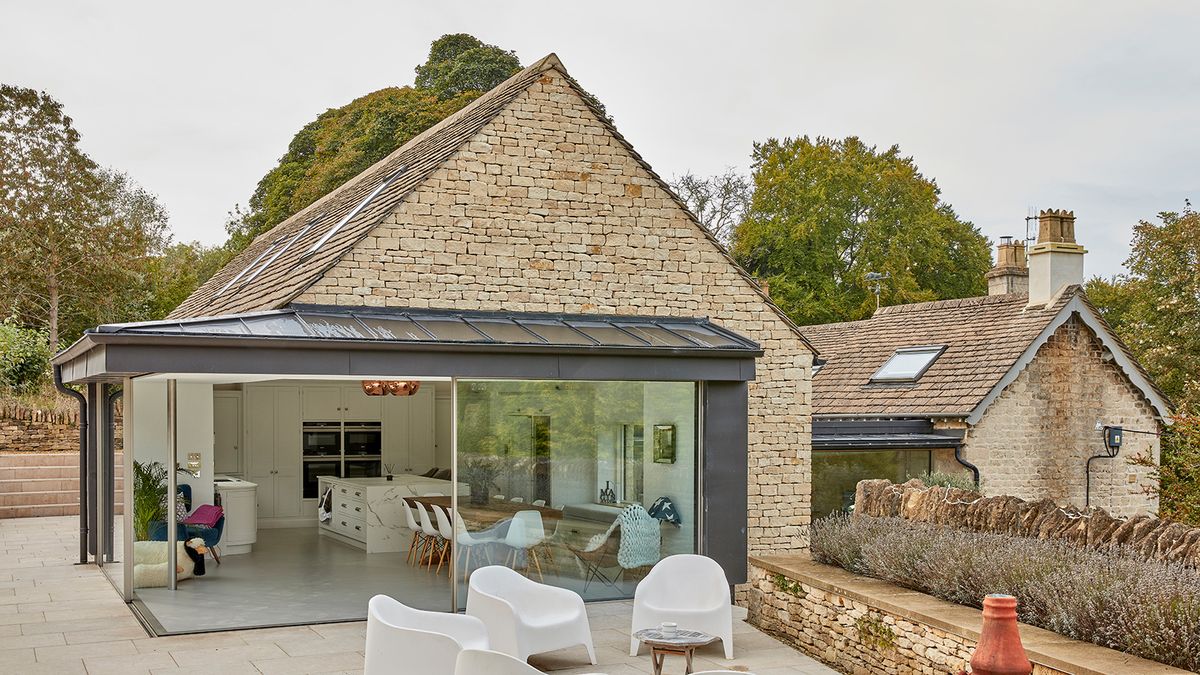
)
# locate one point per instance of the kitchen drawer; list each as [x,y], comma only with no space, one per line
[349,507]
[349,492]
[347,526]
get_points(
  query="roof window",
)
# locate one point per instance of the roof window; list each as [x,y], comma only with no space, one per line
[908,364]
[357,210]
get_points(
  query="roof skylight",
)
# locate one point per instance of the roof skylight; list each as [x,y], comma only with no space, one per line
[358,209]
[908,364]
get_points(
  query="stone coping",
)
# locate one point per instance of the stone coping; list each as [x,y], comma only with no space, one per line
[1042,646]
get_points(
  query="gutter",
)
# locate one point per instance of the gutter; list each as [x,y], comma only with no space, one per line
[83,486]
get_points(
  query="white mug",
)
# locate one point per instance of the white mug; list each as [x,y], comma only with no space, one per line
[668,628]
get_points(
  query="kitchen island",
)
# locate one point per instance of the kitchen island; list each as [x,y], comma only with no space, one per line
[366,512]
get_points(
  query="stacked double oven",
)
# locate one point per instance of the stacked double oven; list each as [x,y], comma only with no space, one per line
[341,449]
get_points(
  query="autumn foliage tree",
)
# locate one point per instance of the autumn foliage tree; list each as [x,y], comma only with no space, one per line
[825,212]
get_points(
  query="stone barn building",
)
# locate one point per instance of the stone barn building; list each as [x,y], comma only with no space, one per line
[1027,388]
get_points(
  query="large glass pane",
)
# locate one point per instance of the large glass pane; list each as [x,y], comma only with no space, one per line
[557,332]
[583,485]
[450,330]
[836,474]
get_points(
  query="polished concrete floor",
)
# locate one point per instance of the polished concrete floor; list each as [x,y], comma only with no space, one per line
[293,576]
[65,619]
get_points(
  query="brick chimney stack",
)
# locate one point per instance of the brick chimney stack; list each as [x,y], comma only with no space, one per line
[1011,273]
[1055,261]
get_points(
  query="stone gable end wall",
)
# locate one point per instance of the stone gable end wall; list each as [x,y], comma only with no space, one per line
[1034,440]
[545,210]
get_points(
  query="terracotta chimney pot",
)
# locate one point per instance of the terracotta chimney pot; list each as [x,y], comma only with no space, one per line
[1000,651]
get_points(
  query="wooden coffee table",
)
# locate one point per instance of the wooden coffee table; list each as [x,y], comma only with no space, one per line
[681,643]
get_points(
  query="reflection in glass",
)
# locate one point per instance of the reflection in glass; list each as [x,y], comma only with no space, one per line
[561,486]
[836,474]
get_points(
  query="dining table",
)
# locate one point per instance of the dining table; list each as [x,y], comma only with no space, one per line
[482,516]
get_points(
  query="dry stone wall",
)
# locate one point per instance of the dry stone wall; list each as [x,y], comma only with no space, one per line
[547,210]
[29,430]
[1042,518]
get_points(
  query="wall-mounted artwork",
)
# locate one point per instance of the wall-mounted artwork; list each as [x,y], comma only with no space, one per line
[664,443]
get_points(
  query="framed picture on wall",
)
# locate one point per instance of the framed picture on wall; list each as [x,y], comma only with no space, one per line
[664,443]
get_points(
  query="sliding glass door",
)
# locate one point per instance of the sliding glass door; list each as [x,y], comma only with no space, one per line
[583,485]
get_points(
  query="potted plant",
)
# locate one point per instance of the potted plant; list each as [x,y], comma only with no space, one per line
[480,473]
[149,497]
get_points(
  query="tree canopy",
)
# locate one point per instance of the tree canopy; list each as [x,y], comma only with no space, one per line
[825,212]
[719,201]
[343,142]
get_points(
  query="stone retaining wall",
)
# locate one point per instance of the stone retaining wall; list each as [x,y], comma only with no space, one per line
[1043,519]
[862,625]
[25,429]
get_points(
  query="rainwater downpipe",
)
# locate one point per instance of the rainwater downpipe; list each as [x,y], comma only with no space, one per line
[83,430]
[959,458]
[110,472]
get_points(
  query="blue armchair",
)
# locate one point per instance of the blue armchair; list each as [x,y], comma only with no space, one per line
[210,535]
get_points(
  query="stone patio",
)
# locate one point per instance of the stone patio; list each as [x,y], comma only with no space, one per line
[57,617]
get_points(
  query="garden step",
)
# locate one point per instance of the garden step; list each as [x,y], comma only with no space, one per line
[39,459]
[8,485]
[38,510]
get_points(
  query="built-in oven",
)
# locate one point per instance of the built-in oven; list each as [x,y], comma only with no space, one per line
[314,469]
[322,439]
[363,439]
[363,468]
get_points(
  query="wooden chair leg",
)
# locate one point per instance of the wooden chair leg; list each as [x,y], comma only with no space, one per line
[216,554]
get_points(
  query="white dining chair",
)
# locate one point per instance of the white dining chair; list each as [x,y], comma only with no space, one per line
[498,498]
[424,642]
[467,543]
[690,590]
[418,534]
[446,532]
[433,538]
[539,502]
[517,500]
[525,534]
[524,617]
[433,494]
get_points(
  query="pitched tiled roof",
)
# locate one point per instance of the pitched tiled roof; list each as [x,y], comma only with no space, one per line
[290,272]
[984,337]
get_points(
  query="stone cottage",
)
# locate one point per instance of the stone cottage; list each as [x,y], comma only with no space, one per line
[1025,389]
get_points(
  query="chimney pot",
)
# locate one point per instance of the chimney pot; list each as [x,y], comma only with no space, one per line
[1056,260]
[1011,273]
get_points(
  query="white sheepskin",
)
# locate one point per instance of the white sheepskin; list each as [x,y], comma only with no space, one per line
[150,564]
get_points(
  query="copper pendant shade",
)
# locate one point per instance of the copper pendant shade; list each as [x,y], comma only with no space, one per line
[393,387]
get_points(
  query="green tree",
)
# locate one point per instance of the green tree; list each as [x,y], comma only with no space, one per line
[825,212]
[460,63]
[343,142]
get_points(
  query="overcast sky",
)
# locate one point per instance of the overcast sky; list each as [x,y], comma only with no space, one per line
[1092,106]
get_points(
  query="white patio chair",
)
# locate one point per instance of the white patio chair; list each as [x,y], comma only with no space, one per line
[446,532]
[525,534]
[433,538]
[424,642]
[478,661]
[524,617]
[690,590]
[418,535]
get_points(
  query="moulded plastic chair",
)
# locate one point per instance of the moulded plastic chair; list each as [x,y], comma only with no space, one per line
[539,502]
[467,542]
[690,590]
[433,538]
[526,533]
[498,498]
[478,661]
[416,641]
[418,534]
[446,531]
[517,500]
[524,617]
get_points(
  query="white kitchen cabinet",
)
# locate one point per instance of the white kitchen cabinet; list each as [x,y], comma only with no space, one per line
[408,430]
[272,423]
[227,432]
[358,407]
[322,404]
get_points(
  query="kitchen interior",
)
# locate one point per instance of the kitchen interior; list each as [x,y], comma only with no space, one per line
[266,452]
[313,477]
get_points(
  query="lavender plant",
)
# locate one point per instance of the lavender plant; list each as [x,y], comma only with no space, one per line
[1112,597]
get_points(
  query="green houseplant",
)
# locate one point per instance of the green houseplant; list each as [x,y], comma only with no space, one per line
[149,497]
